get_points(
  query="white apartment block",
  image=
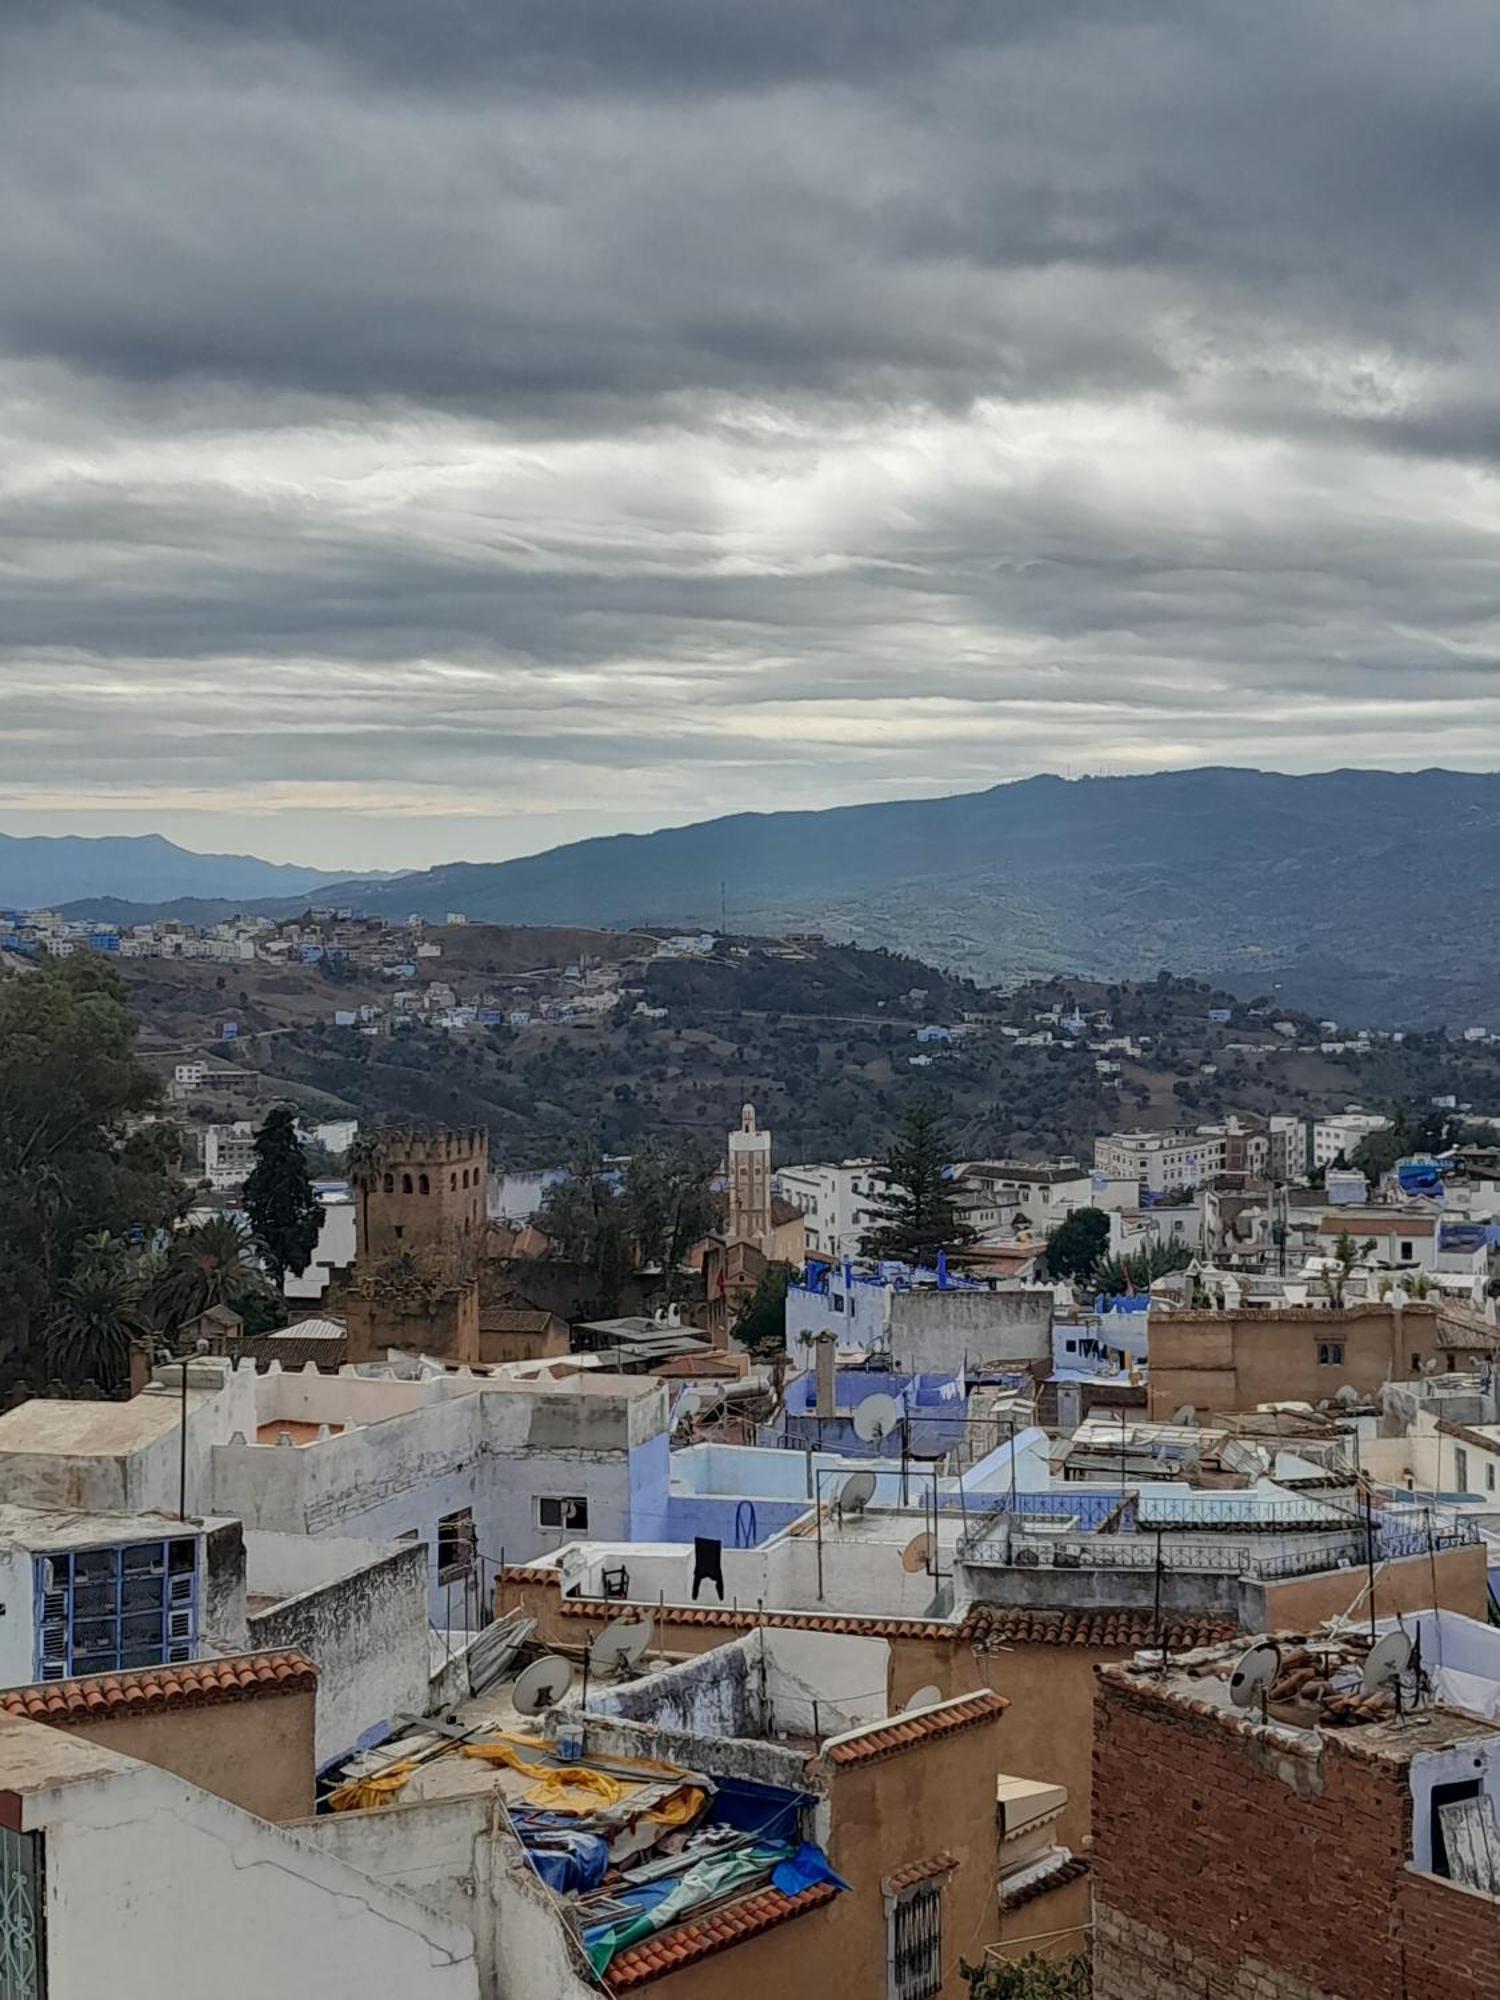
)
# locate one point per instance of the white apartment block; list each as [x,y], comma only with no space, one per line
[228,1154]
[1342,1133]
[1159,1160]
[839,1201]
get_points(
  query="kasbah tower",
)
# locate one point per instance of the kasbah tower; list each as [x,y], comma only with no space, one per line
[426,1205]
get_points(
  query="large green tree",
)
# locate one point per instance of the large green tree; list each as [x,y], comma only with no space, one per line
[1078,1245]
[761,1325]
[1138,1269]
[81,1153]
[916,1214]
[100,1310]
[585,1217]
[287,1216]
[213,1263]
[668,1202]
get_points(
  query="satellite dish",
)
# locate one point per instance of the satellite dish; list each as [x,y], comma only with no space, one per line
[622,1644]
[876,1418]
[1186,1415]
[1254,1673]
[543,1685]
[927,1697]
[917,1554]
[1387,1660]
[856,1493]
[1347,1397]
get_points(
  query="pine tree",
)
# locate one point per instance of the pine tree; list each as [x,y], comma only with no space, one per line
[279,1198]
[917,1217]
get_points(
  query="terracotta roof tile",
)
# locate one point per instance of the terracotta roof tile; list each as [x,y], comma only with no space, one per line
[941,1863]
[1068,1869]
[729,1619]
[669,1951]
[198,1684]
[994,1625]
[905,1732]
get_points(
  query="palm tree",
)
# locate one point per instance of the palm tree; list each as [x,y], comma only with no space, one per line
[101,1311]
[363,1165]
[211,1264]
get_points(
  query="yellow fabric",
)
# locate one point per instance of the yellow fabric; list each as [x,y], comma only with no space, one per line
[361,1794]
[577,1788]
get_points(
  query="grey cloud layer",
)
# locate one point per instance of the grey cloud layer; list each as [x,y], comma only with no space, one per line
[453,399]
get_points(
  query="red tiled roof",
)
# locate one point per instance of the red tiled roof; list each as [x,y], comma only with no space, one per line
[904,1732]
[654,1957]
[941,1863]
[989,1624]
[156,1690]
[728,1619]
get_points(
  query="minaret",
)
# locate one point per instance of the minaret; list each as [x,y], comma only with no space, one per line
[749,1207]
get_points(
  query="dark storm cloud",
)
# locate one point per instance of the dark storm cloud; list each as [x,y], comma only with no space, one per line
[404,403]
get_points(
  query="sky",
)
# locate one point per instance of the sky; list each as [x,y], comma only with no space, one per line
[437,431]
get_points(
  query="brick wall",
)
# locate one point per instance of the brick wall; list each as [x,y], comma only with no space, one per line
[1450,1938]
[1230,1866]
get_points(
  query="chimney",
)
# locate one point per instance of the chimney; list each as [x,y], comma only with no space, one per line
[826,1363]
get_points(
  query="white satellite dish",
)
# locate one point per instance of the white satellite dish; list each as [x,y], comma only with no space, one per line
[1387,1660]
[876,1418]
[1348,1397]
[1254,1673]
[622,1644]
[542,1685]
[1186,1415]
[856,1493]
[927,1697]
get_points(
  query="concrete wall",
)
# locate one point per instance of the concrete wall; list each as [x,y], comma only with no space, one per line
[158,1891]
[1299,1603]
[496,1452]
[364,1627]
[1234,1360]
[257,1753]
[773,1682]
[940,1332]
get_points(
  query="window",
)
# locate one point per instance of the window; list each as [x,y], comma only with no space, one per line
[108,1610]
[23,1911]
[424,1186]
[556,1511]
[914,1942]
[388,1184]
[1331,1353]
[1460,1469]
[455,1547]
[453,1183]
[836,1300]
[406,1187]
[1408,1250]
[1489,1476]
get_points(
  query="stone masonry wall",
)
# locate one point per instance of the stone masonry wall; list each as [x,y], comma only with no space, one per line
[1233,1864]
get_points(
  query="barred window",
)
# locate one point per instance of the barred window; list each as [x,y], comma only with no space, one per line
[914,1942]
[23,1956]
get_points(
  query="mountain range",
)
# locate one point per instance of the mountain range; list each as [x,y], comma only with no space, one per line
[42,869]
[1370,896]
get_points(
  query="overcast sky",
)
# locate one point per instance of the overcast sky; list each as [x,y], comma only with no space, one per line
[439,428]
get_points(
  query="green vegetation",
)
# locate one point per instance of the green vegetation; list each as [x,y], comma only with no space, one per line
[916,1217]
[761,1326]
[284,1212]
[1138,1271]
[1031,1978]
[84,1183]
[646,1218]
[1078,1245]
[214,1263]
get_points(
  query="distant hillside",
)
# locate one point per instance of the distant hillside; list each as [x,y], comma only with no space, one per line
[1368,895]
[42,870]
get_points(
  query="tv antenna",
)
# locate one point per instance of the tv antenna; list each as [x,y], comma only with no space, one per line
[918,1553]
[542,1685]
[1253,1674]
[877,1418]
[622,1644]
[1385,1663]
[925,1697]
[856,1493]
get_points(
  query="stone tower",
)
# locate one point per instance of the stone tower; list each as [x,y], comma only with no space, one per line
[430,1194]
[748,1217]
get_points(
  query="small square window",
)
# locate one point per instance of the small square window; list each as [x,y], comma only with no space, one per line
[1331,1353]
